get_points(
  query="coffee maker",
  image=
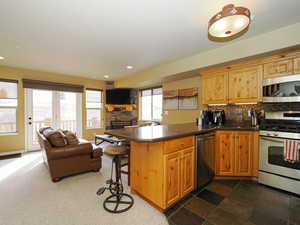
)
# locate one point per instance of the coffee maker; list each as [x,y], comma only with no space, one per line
[218,117]
[213,117]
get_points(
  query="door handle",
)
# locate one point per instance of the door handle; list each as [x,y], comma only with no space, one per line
[29,123]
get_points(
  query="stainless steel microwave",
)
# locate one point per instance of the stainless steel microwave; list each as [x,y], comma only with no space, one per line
[282,89]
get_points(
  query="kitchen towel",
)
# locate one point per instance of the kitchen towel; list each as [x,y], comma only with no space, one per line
[291,151]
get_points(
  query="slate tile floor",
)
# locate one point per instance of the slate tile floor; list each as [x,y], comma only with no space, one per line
[227,202]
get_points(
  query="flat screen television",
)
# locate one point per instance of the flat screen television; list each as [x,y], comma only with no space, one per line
[118,96]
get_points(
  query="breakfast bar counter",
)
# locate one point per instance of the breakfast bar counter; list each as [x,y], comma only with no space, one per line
[167,132]
[162,159]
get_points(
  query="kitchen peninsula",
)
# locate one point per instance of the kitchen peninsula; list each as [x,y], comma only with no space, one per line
[162,158]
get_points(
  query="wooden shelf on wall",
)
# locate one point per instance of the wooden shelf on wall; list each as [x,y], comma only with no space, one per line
[128,108]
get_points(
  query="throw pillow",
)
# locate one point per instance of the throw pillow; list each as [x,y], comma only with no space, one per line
[56,138]
[71,137]
[44,129]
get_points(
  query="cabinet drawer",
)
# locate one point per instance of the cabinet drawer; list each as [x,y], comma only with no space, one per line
[178,144]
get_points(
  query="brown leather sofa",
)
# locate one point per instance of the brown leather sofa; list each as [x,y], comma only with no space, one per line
[71,158]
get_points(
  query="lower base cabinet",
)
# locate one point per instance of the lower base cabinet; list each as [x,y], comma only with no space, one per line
[237,153]
[179,174]
[163,172]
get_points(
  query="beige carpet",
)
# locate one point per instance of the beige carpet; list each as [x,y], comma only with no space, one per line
[28,196]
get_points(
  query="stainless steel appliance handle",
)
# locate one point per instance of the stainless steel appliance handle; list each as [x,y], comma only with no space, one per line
[205,138]
[271,139]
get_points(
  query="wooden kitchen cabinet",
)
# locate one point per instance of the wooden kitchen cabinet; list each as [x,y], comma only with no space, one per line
[225,153]
[234,153]
[215,88]
[179,174]
[278,68]
[163,172]
[245,85]
[187,171]
[243,153]
[172,171]
[297,66]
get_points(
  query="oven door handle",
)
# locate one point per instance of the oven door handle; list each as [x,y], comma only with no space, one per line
[271,139]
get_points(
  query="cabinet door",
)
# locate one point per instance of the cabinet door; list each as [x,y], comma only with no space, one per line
[245,85]
[215,88]
[279,68]
[172,173]
[243,153]
[225,153]
[187,170]
[297,66]
[255,154]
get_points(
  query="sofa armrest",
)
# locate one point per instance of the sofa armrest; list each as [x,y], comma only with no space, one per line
[97,152]
[70,150]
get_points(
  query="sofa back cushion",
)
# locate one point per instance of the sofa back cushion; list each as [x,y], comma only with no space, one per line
[55,137]
[71,138]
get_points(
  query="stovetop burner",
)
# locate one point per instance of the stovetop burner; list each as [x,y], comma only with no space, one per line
[292,126]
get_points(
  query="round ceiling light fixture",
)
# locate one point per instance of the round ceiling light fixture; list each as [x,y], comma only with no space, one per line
[230,22]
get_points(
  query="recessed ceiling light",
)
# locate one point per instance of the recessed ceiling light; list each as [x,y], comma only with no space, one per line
[106,76]
[1,57]
[129,67]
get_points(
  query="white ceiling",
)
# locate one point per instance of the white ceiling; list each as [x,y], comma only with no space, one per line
[92,38]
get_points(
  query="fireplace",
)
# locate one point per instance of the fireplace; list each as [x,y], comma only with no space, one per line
[118,124]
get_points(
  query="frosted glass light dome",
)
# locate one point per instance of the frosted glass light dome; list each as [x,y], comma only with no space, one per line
[229,22]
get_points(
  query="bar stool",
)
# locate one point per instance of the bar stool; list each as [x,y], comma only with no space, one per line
[118,201]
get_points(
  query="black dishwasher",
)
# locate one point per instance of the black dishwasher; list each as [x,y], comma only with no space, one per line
[205,159]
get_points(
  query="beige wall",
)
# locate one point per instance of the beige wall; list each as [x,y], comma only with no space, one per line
[17,142]
[282,38]
[182,116]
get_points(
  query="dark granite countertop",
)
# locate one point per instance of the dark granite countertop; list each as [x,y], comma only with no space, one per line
[167,132]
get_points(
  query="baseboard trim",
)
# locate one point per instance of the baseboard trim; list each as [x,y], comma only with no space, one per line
[11,153]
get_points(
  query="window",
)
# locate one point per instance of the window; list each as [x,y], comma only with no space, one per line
[93,108]
[8,106]
[151,104]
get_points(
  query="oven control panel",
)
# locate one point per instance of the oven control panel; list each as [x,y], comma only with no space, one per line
[277,134]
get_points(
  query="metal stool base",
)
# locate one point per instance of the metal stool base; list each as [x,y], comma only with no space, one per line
[118,202]
[114,203]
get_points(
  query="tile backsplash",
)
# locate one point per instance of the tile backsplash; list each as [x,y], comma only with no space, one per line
[239,113]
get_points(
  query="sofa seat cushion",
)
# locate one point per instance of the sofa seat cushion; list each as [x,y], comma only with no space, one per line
[70,151]
[55,137]
[71,138]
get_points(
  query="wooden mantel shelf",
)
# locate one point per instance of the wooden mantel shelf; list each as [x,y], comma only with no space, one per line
[128,108]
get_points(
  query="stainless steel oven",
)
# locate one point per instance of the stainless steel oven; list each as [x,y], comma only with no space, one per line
[273,169]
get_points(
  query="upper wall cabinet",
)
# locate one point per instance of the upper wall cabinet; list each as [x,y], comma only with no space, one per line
[215,88]
[245,85]
[297,66]
[278,68]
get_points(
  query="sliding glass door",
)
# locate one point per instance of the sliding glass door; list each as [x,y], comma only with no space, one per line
[60,110]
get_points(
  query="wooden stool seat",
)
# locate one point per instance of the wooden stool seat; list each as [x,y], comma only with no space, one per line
[116,150]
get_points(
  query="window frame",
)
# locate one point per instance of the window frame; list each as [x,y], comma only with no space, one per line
[89,108]
[12,107]
[140,102]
